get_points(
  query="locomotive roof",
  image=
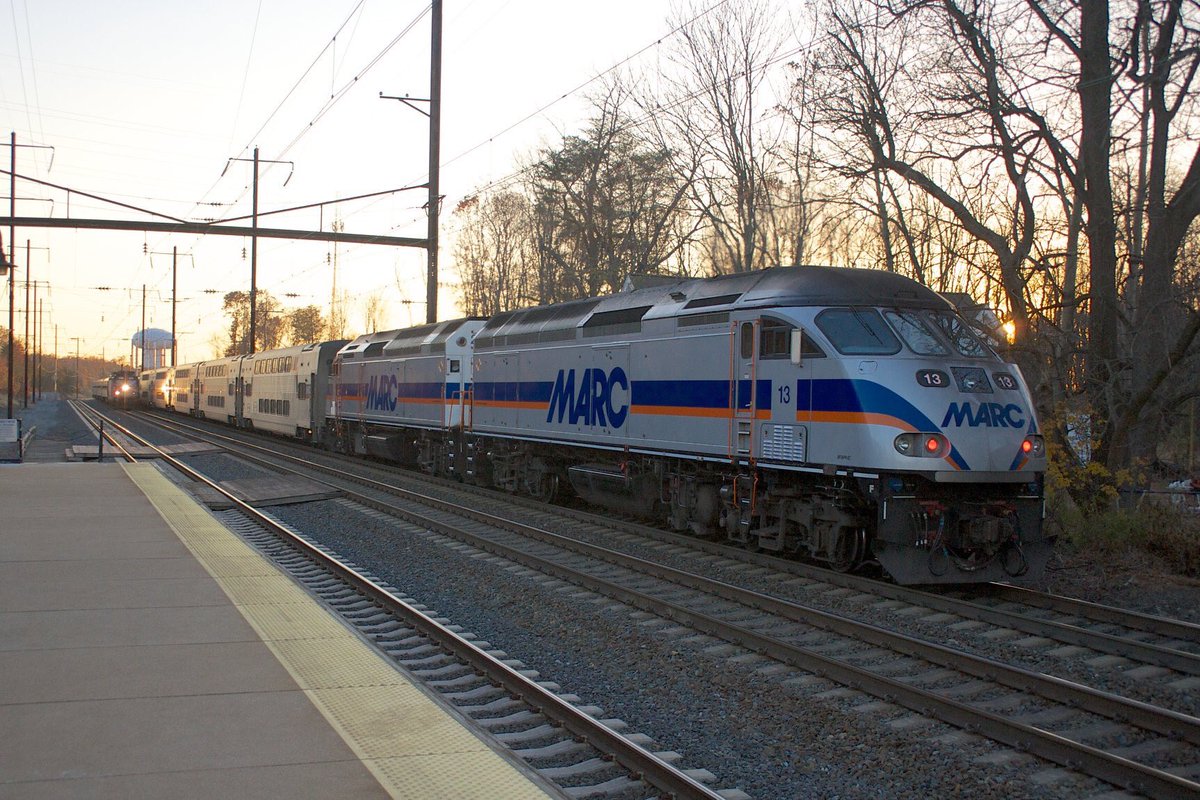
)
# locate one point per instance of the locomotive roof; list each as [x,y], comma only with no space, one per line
[788,286]
[777,286]
[403,341]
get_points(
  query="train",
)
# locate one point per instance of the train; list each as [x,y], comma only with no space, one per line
[119,389]
[849,417]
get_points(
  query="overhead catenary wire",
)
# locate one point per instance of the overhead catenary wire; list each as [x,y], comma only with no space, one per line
[636,123]
[585,84]
[237,114]
[287,95]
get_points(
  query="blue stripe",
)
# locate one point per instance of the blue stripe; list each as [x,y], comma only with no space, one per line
[868,397]
[683,394]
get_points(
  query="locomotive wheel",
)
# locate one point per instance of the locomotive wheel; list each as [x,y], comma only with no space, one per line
[849,549]
[541,484]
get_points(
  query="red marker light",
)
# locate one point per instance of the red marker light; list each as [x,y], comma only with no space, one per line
[1026,446]
[932,444]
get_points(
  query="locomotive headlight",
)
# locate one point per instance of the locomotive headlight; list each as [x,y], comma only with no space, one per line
[1034,446]
[922,445]
[124,387]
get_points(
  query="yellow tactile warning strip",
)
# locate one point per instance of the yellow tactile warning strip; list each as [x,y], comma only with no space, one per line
[408,741]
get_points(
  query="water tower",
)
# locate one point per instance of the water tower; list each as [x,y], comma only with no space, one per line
[155,346]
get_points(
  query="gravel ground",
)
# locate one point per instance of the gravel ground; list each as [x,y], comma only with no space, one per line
[1133,580]
[771,735]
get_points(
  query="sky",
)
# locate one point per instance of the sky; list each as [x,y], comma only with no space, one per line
[146,101]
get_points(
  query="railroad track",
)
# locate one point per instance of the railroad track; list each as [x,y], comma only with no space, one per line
[590,757]
[1129,637]
[1127,743]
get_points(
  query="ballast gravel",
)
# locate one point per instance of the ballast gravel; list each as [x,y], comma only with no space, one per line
[772,732]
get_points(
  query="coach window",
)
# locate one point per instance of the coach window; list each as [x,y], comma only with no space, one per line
[858,332]
[302,390]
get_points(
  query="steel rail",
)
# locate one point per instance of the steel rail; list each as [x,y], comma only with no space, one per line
[1113,769]
[89,415]
[1151,623]
[643,764]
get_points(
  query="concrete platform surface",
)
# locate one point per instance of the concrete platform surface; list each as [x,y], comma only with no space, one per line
[141,658]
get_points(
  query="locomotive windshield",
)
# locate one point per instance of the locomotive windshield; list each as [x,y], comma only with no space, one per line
[864,331]
[956,329]
[858,332]
[916,334]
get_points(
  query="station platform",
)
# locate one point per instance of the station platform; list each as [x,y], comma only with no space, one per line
[143,658]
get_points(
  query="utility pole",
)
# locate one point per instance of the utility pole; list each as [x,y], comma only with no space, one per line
[174,289]
[12,260]
[254,238]
[335,318]
[38,345]
[25,381]
[143,328]
[12,250]
[28,313]
[76,340]
[254,259]
[435,138]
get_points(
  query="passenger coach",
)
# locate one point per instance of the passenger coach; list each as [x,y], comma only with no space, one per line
[285,391]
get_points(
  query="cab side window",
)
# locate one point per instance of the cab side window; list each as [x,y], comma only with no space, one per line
[775,341]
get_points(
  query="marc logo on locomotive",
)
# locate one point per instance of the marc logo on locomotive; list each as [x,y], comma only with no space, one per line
[592,402]
[990,415]
[381,393]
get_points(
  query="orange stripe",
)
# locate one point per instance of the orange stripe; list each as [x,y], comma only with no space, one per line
[517,404]
[854,418]
[680,411]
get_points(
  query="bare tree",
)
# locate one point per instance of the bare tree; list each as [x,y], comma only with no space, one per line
[961,116]
[305,325]
[606,204]
[710,121]
[494,253]
[269,327]
[373,312]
